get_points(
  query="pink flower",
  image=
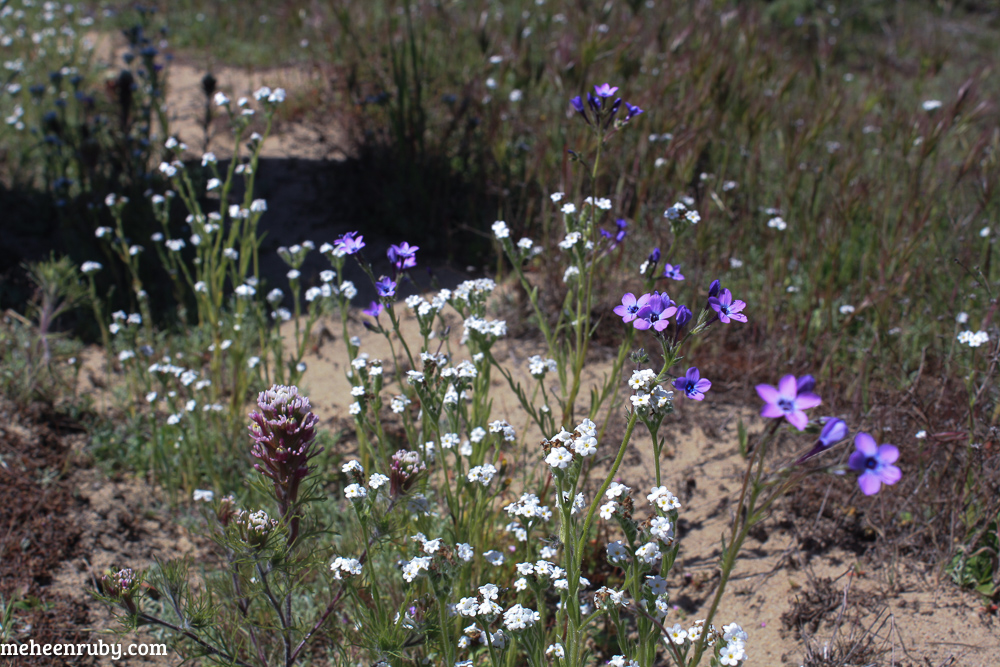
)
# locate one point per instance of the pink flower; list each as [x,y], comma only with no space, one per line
[786,401]
[874,461]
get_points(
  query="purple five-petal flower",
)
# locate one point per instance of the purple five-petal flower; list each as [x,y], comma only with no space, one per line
[673,272]
[786,401]
[656,313]
[403,256]
[727,308]
[348,244]
[386,287]
[374,310]
[874,462]
[630,306]
[605,90]
[693,385]
[633,111]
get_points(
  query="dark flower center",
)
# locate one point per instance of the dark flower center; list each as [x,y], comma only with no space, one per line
[634,308]
[653,317]
[871,463]
[786,405]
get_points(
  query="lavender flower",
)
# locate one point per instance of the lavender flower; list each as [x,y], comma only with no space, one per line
[654,256]
[349,245]
[283,431]
[833,432]
[874,461]
[403,256]
[122,585]
[806,383]
[786,401]
[630,306]
[714,289]
[404,469]
[673,272]
[605,90]
[727,308]
[374,310]
[683,316]
[386,287]
[655,313]
[693,385]
[577,103]
[633,111]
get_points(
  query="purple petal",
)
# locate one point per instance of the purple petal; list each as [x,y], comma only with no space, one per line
[668,312]
[696,396]
[641,324]
[628,299]
[865,444]
[788,387]
[680,383]
[798,419]
[661,324]
[887,454]
[857,460]
[703,385]
[834,431]
[693,374]
[806,401]
[890,475]
[643,300]
[771,411]
[869,483]
[768,393]
[737,306]
[723,317]
[739,317]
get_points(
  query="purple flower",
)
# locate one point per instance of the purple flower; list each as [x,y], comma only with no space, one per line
[622,226]
[386,286]
[403,256]
[833,432]
[614,111]
[630,306]
[807,383]
[349,245]
[374,310]
[655,313]
[786,401]
[577,103]
[632,112]
[727,308]
[594,103]
[684,316]
[654,256]
[605,90]
[693,385]
[714,288]
[874,462]
[673,272]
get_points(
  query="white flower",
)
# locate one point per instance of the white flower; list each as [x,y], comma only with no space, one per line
[202,494]
[494,558]
[735,263]
[677,634]
[467,607]
[500,229]
[90,267]
[559,457]
[489,591]
[608,510]
[973,339]
[414,377]
[568,209]
[377,481]
[777,223]
[931,105]
[657,584]
[846,309]
[353,466]
[519,618]
[617,553]
[341,565]
[661,529]
[220,99]
[348,289]
[356,492]
[465,551]
[525,243]
[984,232]
[556,197]
[515,95]
[355,408]
[482,474]
[570,273]
[555,651]
[412,569]
[962,318]
[920,435]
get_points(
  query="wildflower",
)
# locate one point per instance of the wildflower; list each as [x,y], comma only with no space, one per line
[577,103]
[377,481]
[693,385]
[777,223]
[373,310]
[355,492]
[617,490]
[467,607]
[846,309]
[833,432]
[608,510]
[386,287]
[633,111]
[494,558]
[412,568]
[931,105]
[631,306]
[649,553]
[617,553]
[920,435]
[403,256]
[90,267]
[673,272]
[482,474]
[348,244]
[464,551]
[605,90]
[683,316]
[569,209]
[727,308]
[559,458]
[973,339]
[874,462]
[677,634]
[555,650]
[500,230]
[655,313]
[340,565]
[787,401]
[283,429]
[202,494]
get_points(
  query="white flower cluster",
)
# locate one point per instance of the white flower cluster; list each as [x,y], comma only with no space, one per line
[529,507]
[489,329]
[413,568]
[471,291]
[341,566]
[973,339]
[501,426]
[520,618]
[583,442]
[500,230]
[680,211]
[602,203]
[487,608]
[482,474]
[422,308]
